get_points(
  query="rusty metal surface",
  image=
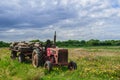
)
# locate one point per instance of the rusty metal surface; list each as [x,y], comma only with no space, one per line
[63,56]
[57,56]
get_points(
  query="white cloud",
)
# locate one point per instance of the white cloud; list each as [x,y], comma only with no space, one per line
[11,30]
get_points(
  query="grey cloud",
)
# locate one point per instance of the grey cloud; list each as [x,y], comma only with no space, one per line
[72,19]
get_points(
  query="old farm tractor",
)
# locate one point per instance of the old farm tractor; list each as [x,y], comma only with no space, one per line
[48,55]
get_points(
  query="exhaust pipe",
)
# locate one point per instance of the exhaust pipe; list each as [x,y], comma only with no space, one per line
[55,38]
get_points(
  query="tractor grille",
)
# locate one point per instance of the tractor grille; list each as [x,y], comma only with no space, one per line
[63,56]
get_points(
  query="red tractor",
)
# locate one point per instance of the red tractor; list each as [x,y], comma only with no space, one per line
[52,56]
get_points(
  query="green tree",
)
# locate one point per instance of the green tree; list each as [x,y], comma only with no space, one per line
[93,42]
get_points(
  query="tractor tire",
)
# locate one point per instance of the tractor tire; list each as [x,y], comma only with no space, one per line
[21,58]
[37,58]
[13,54]
[48,65]
[72,65]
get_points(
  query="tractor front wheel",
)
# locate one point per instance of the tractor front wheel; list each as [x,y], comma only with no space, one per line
[72,65]
[48,65]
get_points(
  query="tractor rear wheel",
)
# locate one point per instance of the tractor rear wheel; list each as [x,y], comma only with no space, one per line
[21,58]
[72,65]
[48,65]
[37,58]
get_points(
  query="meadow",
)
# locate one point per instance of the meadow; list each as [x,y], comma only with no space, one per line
[94,63]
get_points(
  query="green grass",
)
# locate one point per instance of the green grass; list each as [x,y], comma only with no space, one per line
[94,63]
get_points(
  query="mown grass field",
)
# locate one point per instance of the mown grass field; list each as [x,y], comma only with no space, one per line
[94,63]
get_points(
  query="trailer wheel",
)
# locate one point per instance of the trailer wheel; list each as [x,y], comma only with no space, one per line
[13,54]
[21,58]
[72,65]
[48,65]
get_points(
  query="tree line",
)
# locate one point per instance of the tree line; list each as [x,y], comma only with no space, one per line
[75,43]
[4,44]
[83,43]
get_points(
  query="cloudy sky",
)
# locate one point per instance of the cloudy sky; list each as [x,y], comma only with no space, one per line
[72,19]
